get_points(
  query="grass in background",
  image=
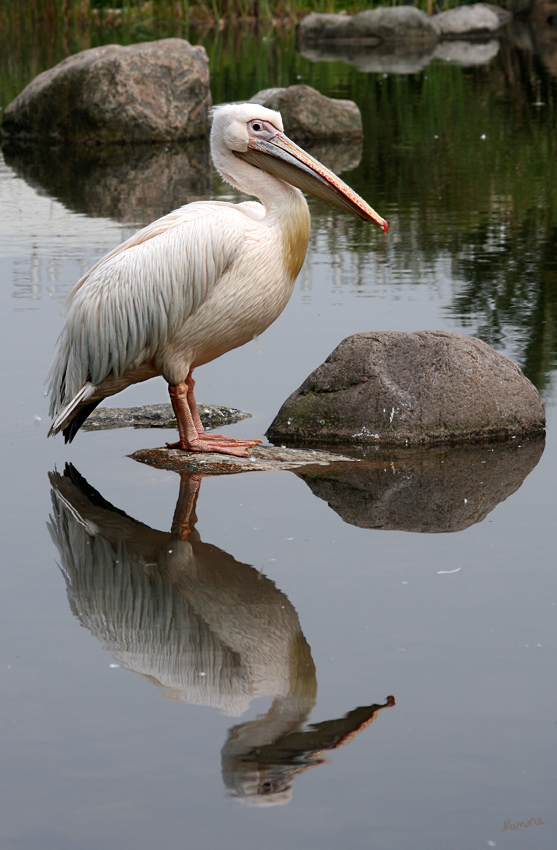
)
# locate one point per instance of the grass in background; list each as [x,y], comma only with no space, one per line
[18,15]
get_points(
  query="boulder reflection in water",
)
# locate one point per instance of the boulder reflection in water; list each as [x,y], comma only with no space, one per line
[203,627]
[431,490]
[133,184]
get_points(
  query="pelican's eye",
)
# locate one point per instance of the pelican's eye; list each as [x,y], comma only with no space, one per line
[261,129]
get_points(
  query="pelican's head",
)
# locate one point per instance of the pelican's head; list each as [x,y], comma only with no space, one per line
[254,134]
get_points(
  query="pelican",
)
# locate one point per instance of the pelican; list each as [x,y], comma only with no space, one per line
[197,282]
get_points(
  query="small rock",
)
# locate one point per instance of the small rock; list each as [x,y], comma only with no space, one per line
[477,21]
[307,114]
[389,388]
[158,416]
[151,92]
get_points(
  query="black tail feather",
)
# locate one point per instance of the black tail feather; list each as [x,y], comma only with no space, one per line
[71,430]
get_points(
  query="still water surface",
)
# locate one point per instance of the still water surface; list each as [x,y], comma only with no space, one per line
[153,691]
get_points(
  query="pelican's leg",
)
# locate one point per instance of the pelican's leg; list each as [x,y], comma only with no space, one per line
[192,404]
[223,439]
[189,438]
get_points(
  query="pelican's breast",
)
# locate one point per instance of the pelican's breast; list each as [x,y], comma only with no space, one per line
[250,295]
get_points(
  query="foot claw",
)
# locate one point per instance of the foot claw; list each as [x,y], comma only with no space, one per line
[225,438]
[237,449]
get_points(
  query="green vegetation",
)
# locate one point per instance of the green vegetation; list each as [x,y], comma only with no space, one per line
[26,14]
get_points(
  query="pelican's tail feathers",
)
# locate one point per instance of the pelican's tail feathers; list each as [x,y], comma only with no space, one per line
[72,416]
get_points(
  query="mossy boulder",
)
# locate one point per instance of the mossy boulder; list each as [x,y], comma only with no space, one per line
[421,388]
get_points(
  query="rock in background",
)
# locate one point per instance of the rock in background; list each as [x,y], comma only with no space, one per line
[372,27]
[403,39]
[429,387]
[480,20]
[152,92]
[308,115]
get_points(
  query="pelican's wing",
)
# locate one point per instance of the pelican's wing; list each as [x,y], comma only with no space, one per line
[137,296]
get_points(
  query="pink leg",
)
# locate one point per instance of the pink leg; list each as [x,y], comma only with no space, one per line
[189,438]
[224,439]
[192,404]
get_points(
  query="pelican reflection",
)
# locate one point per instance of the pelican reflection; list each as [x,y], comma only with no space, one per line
[203,627]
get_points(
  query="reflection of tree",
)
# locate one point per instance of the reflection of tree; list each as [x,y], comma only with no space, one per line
[201,626]
[510,289]
[474,162]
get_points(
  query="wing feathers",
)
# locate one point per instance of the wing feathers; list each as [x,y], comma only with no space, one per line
[137,296]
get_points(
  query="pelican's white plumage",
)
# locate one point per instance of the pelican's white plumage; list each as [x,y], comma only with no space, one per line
[197,282]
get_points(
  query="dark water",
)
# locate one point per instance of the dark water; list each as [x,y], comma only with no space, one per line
[370,659]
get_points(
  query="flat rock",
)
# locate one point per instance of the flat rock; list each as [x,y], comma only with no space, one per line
[429,387]
[259,459]
[479,20]
[159,416]
[307,114]
[150,92]
[372,27]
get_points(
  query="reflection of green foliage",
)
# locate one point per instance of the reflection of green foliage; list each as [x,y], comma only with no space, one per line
[472,180]
[461,160]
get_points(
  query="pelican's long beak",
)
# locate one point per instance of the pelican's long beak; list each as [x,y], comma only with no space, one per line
[283,158]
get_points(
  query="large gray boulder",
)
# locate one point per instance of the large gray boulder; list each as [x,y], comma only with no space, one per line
[308,115]
[372,27]
[429,387]
[152,92]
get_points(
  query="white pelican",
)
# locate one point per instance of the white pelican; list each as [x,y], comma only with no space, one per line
[197,282]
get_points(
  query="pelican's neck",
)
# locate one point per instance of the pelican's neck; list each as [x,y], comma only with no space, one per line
[274,194]
[285,206]
[286,209]
[294,222]
[286,212]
